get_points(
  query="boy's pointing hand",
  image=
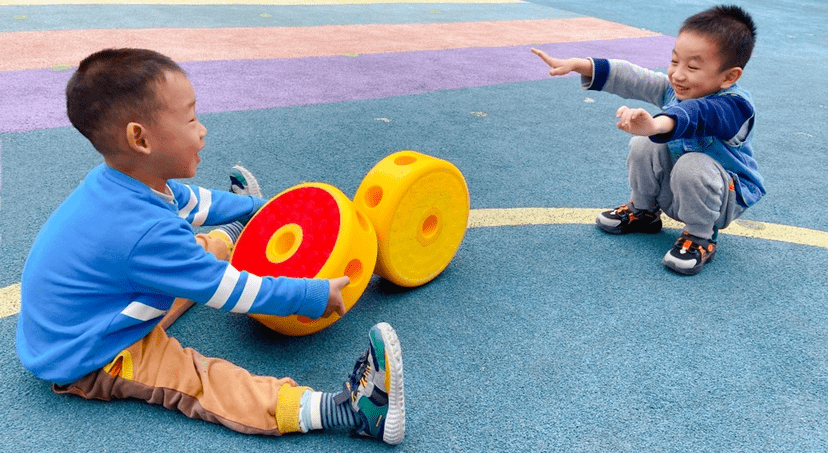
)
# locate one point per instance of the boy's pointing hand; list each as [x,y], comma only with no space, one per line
[560,66]
[335,302]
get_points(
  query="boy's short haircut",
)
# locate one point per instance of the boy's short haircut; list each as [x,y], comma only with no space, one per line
[731,28]
[112,88]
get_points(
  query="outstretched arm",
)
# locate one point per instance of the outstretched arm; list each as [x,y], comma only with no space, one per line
[582,66]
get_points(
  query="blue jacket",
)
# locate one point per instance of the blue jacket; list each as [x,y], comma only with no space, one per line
[109,262]
[719,125]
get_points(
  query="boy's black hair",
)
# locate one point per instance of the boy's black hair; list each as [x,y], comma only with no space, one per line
[731,28]
[112,88]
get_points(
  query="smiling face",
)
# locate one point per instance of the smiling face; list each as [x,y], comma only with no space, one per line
[696,67]
[176,135]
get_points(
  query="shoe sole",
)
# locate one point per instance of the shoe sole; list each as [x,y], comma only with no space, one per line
[394,429]
[653,228]
[253,187]
[691,271]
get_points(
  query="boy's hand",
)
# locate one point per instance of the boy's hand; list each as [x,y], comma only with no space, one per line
[559,67]
[213,245]
[640,122]
[335,301]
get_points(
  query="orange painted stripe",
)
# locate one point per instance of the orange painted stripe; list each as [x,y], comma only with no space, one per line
[34,50]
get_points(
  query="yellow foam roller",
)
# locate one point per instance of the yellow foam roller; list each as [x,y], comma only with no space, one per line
[419,206]
[311,230]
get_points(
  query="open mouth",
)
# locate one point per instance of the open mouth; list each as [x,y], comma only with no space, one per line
[680,89]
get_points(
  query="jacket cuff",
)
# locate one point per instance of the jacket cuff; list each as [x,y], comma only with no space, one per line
[316,298]
[600,75]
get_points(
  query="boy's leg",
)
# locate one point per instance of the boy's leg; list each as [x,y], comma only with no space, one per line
[649,165]
[705,200]
[158,370]
[703,195]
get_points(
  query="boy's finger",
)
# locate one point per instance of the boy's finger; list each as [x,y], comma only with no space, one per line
[543,55]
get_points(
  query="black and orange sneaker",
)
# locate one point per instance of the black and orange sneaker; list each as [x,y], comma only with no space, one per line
[689,254]
[624,219]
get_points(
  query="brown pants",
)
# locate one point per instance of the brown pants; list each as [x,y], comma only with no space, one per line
[158,370]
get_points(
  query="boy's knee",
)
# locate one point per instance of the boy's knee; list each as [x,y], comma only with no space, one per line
[640,146]
[697,169]
[644,151]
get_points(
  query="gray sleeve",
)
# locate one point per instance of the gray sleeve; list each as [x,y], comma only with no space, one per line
[631,81]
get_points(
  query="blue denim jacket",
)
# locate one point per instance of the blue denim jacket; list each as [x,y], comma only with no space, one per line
[697,130]
[734,154]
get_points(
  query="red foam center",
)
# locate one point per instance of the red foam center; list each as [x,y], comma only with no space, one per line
[315,211]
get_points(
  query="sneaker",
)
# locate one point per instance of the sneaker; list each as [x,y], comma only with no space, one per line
[375,388]
[242,182]
[623,220]
[689,254]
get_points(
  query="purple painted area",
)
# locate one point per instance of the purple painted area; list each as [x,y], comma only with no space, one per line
[32,100]
[35,99]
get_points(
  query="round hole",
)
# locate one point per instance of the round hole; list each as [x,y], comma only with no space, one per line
[405,160]
[430,226]
[284,243]
[354,270]
[373,196]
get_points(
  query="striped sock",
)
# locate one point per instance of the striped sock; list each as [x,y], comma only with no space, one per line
[233,230]
[318,411]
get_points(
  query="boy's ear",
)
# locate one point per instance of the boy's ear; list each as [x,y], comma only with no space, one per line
[731,76]
[137,139]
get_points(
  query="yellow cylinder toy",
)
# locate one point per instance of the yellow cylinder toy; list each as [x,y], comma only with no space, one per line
[314,231]
[419,206]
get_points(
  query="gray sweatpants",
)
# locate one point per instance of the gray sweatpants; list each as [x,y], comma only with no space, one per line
[694,189]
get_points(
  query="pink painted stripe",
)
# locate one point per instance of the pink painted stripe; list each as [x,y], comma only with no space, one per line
[67,47]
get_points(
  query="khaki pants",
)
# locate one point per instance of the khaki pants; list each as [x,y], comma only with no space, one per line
[157,369]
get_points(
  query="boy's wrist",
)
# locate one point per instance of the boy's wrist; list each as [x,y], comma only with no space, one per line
[583,66]
[664,125]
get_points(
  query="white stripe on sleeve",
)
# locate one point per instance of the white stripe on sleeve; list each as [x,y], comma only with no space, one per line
[225,288]
[251,290]
[142,311]
[203,206]
[191,203]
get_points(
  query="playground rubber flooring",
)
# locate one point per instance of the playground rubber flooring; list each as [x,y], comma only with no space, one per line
[543,333]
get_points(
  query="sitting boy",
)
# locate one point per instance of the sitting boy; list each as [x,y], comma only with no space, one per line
[693,161]
[118,262]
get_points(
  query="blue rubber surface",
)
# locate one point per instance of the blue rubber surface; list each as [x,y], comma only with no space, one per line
[535,338]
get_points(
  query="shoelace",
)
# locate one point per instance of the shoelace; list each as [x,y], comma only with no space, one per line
[625,210]
[689,244]
[359,376]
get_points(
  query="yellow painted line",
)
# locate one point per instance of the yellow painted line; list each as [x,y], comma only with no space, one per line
[548,216]
[9,300]
[484,218]
[231,2]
